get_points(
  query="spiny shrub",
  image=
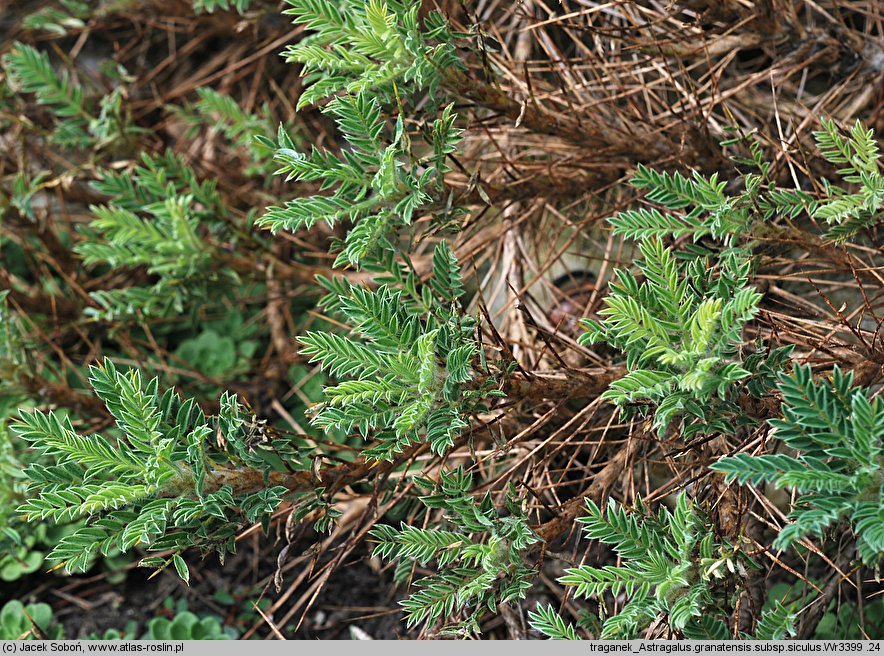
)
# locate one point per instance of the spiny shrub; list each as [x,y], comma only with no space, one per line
[409,366]
[681,329]
[80,124]
[475,575]
[375,52]
[406,366]
[671,566]
[158,483]
[834,437]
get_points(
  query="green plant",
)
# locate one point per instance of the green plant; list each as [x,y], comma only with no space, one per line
[125,633]
[187,626]
[409,365]
[681,329]
[164,243]
[154,220]
[210,6]
[376,52]
[378,183]
[23,546]
[474,575]
[177,623]
[67,16]
[549,623]
[20,546]
[223,114]
[159,484]
[857,154]
[844,619]
[680,321]
[22,557]
[378,46]
[700,207]
[31,622]
[220,347]
[670,566]
[156,483]
[171,273]
[78,126]
[835,435]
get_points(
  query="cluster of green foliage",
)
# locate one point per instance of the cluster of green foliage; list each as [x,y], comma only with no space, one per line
[80,124]
[157,485]
[31,622]
[380,46]
[405,367]
[680,324]
[23,546]
[35,622]
[844,618]
[670,567]
[681,321]
[474,577]
[242,129]
[185,625]
[153,220]
[859,158]
[365,55]
[158,481]
[22,553]
[837,434]
[151,232]
[680,328]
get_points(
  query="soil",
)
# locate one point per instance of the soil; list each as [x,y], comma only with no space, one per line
[356,602]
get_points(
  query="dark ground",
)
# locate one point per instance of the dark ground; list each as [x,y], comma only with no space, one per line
[355,596]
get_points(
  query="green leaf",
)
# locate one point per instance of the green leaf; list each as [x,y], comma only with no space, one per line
[181,568]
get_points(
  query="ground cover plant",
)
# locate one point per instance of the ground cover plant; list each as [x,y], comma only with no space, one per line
[379,318]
